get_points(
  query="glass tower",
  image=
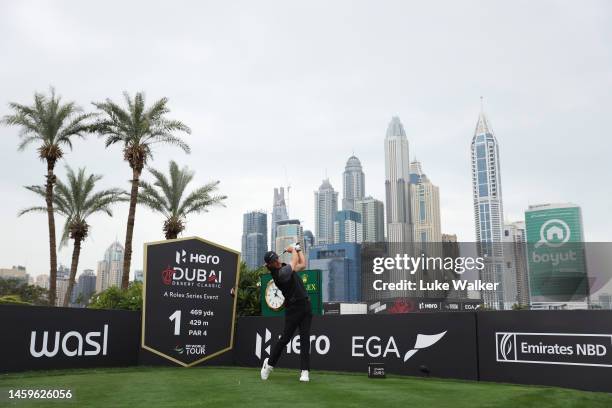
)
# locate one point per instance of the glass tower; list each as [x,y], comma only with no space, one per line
[488,208]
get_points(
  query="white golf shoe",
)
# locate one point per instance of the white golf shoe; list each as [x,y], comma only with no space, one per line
[266,369]
[304,376]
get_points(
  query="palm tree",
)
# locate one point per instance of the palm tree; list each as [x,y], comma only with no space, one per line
[76,200]
[166,196]
[138,129]
[51,125]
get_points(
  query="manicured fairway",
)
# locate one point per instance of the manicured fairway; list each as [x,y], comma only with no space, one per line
[228,387]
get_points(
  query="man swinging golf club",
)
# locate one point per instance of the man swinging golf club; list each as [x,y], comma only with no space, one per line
[298,312]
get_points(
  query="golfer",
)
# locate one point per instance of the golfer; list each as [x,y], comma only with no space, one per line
[298,312]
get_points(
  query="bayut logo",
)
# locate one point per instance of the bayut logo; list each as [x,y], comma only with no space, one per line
[76,346]
[554,233]
[185,274]
[319,344]
[375,347]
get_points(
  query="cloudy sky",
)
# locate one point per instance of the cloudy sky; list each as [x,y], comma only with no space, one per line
[281,93]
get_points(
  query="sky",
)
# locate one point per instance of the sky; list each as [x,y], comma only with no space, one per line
[283,92]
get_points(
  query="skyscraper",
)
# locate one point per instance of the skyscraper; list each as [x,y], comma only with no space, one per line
[279,213]
[309,240]
[288,232]
[399,215]
[372,219]
[326,206]
[63,275]
[399,223]
[16,272]
[254,238]
[516,278]
[488,208]
[110,269]
[425,206]
[85,287]
[340,266]
[353,183]
[347,227]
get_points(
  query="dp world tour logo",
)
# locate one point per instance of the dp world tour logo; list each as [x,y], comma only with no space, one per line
[554,233]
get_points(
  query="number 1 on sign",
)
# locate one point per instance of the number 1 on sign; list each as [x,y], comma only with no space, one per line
[176,317]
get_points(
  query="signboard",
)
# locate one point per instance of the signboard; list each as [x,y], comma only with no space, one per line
[312,283]
[189,307]
[441,344]
[571,348]
[556,254]
[49,338]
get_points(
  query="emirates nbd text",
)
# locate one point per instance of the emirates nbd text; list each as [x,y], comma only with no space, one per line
[458,284]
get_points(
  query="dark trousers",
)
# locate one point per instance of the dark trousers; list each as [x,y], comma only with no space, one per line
[299,316]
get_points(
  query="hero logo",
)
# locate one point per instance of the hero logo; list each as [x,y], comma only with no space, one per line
[373,346]
[188,275]
[75,348]
[320,344]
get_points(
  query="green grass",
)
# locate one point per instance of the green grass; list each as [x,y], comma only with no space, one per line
[230,386]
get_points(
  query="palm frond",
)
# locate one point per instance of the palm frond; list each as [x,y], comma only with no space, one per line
[136,125]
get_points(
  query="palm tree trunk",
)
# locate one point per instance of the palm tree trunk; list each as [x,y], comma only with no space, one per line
[127,256]
[76,252]
[52,244]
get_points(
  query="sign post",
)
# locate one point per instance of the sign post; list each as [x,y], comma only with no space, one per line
[189,303]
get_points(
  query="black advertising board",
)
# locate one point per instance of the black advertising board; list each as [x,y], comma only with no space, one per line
[441,344]
[562,348]
[189,307]
[45,338]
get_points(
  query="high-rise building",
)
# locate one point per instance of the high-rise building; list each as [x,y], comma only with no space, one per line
[138,275]
[347,227]
[326,206]
[110,269]
[254,238]
[353,183]
[556,256]
[288,232]
[516,278]
[42,281]
[372,213]
[450,249]
[399,215]
[397,177]
[340,266]
[425,206]
[16,272]
[309,240]
[85,288]
[61,285]
[488,208]
[279,213]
